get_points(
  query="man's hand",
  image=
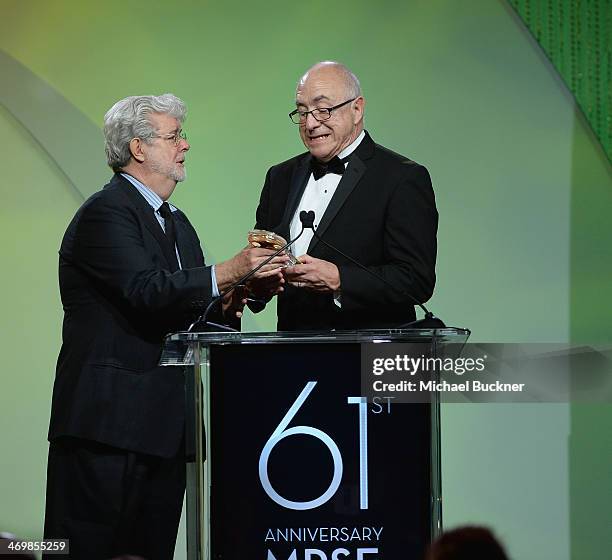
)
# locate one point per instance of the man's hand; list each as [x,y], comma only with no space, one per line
[233,302]
[249,258]
[313,274]
[266,288]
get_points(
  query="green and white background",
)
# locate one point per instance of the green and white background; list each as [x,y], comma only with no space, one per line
[523,186]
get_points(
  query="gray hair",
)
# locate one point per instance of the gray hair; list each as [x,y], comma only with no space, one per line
[353,86]
[129,118]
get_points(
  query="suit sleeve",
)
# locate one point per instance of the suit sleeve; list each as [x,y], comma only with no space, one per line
[110,247]
[262,222]
[409,249]
[262,214]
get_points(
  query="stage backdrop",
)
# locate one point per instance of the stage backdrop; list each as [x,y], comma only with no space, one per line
[523,190]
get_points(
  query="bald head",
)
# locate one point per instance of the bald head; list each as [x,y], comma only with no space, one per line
[331,86]
[337,70]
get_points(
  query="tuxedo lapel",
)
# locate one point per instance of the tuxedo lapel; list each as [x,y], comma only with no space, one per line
[353,174]
[299,179]
[147,215]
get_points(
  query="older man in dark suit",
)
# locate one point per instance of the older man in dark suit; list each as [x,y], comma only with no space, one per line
[131,270]
[376,206]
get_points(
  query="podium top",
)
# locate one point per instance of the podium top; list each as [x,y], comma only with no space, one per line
[180,347]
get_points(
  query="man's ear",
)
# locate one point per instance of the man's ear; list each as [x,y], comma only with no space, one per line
[358,109]
[136,149]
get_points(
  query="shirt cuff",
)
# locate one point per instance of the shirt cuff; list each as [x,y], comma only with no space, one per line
[213,277]
[338,298]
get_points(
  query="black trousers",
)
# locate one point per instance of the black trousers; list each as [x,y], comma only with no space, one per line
[110,502]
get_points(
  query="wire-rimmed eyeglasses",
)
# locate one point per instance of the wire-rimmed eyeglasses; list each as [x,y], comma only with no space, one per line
[174,138]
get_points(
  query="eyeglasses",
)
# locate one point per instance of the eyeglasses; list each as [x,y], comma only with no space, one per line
[321,114]
[174,138]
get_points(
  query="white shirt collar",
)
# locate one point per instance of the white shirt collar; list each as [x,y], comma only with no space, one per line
[352,147]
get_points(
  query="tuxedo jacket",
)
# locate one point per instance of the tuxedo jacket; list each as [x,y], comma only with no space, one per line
[383,214]
[120,299]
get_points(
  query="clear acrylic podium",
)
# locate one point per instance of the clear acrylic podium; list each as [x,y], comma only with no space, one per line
[290,461]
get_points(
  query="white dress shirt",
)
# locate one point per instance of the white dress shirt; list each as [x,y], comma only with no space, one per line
[316,196]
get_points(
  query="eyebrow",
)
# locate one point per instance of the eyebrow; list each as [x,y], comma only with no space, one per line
[315,100]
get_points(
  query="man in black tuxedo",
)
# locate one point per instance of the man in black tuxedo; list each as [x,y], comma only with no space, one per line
[131,270]
[373,204]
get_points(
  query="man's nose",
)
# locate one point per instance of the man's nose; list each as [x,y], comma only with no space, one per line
[310,121]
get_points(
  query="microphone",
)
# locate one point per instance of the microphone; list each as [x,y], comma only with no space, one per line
[428,322]
[307,219]
[204,317]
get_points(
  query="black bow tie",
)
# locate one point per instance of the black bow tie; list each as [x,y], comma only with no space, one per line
[320,169]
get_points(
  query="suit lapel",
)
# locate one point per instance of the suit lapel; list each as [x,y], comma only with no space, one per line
[147,215]
[299,179]
[355,170]
[185,243]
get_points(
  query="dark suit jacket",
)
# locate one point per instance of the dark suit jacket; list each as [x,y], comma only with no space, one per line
[119,300]
[383,214]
